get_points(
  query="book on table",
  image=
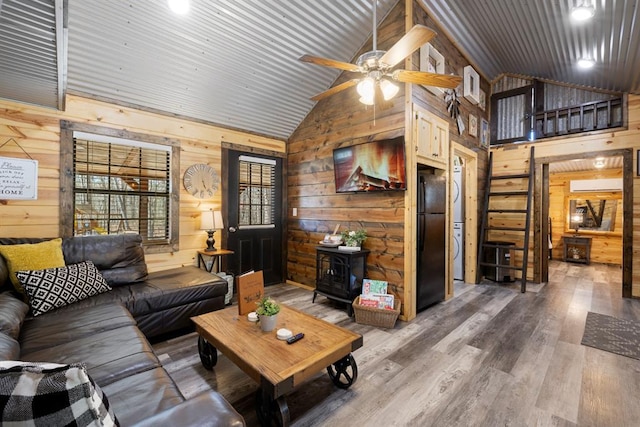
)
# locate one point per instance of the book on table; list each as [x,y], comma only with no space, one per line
[250,291]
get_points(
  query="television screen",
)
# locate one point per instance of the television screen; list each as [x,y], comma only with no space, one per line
[372,166]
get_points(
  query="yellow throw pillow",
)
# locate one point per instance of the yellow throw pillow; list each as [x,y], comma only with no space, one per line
[32,256]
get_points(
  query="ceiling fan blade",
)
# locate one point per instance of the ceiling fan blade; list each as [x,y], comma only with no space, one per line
[416,37]
[335,89]
[428,79]
[329,63]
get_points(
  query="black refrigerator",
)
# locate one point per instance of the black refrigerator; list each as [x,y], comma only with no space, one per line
[432,203]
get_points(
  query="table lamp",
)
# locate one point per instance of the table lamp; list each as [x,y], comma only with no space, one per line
[211,221]
[576,220]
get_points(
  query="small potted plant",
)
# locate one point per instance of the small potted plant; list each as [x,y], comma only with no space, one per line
[267,312]
[354,238]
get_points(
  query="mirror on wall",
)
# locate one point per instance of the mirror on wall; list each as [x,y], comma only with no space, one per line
[593,214]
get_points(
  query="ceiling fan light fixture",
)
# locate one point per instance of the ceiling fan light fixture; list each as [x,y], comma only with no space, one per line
[582,13]
[389,89]
[366,87]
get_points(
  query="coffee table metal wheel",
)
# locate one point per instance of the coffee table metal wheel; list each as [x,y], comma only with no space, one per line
[344,372]
[272,412]
[208,354]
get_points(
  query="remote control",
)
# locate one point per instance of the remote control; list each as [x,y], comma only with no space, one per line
[295,338]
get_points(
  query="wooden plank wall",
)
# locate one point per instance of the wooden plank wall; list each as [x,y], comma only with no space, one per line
[513,158]
[605,248]
[338,121]
[37,130]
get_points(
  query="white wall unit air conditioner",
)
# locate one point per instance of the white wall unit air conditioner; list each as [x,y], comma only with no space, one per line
[591,185]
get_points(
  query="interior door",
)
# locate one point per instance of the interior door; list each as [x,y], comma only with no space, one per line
[254,214]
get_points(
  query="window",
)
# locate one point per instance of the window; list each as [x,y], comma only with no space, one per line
[257,196]
[120,185]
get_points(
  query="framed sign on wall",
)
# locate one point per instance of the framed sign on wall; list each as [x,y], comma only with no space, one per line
[18,179]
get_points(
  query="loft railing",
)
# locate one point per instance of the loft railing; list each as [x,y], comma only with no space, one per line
[581,118]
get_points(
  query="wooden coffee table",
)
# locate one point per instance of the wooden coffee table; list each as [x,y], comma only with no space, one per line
[276,366]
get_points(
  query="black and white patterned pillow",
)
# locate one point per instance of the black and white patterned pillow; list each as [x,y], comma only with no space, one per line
[51,394]
[56,287]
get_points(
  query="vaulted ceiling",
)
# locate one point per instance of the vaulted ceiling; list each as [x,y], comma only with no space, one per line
[235,63]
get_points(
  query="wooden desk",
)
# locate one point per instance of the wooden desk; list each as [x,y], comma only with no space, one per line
[576,248]
[215,257]
[276,366]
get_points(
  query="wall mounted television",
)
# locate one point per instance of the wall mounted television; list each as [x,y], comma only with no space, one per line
[372,166]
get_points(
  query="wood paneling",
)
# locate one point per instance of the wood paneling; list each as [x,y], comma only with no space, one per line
[341,120]
[338,121]
[37,130]
[604,248]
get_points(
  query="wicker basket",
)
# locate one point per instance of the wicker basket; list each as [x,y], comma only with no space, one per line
[376,316]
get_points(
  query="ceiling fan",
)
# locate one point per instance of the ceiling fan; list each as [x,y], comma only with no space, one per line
[376,66]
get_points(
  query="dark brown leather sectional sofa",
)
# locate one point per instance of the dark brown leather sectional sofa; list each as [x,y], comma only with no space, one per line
[109,332]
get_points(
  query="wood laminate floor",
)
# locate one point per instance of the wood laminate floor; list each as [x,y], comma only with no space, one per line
[490,356]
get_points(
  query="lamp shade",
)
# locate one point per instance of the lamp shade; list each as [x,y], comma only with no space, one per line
[211,220]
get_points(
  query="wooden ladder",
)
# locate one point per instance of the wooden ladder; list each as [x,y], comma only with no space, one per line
[485,227]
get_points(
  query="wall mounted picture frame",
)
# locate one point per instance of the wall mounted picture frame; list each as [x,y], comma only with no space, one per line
[483,100]
[471,85]
[484,133]
[431,61]
[18,179]
[473,125]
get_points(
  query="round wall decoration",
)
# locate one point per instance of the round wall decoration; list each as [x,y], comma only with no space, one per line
[201,180]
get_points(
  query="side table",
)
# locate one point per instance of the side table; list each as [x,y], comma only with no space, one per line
[576,249]
[215,258]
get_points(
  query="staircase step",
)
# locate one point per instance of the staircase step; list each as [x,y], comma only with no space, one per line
[515,248]
[509,193]
[510,267]
[519,175]
[507,211]
[506,228]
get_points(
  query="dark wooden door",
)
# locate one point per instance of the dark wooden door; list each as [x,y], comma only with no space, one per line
[254,214]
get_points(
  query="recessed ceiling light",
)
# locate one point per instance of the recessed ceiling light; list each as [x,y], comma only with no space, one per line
[598,163]
[179,7]
[586,63]
[582,13]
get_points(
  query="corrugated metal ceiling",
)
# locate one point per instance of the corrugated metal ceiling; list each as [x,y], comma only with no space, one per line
[228,62]
[579,165]
[234,63]
[539,39]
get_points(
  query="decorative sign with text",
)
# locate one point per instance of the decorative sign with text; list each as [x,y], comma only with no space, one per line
[18,179]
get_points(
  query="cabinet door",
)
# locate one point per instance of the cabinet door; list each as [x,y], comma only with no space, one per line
[432,137]
[424,126]
[440,140]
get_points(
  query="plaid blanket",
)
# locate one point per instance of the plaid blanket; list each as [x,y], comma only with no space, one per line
[50,394]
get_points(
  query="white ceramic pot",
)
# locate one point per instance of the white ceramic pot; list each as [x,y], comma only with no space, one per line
[268,323]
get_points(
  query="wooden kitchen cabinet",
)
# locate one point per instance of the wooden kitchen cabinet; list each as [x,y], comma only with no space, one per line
[431,137]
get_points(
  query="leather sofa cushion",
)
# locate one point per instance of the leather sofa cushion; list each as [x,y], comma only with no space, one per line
[162,290]
[119,257]
[109,355]
[12,314]
[9,348]
[205,410]
[142,395]
[66,325]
